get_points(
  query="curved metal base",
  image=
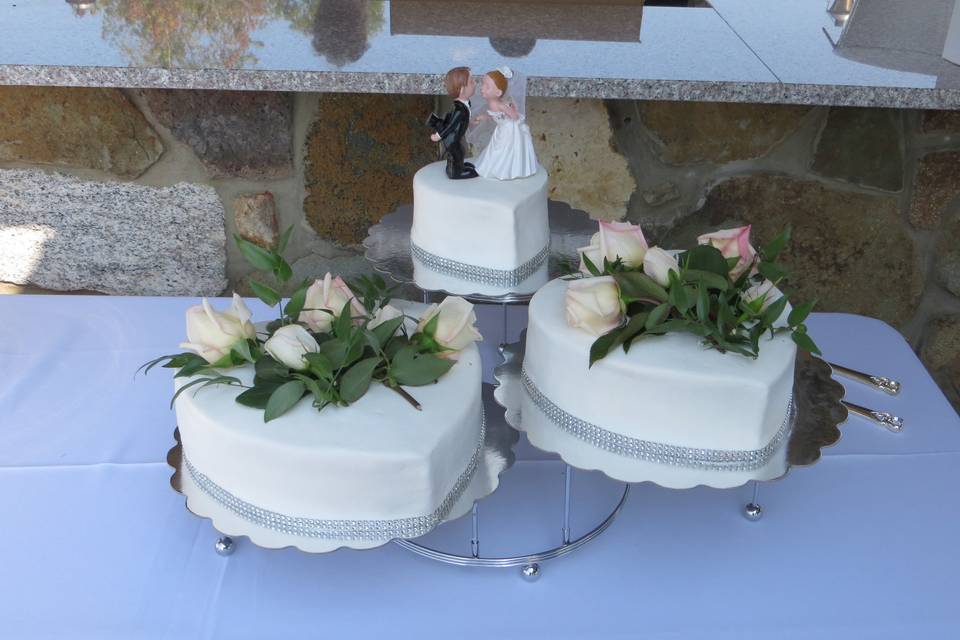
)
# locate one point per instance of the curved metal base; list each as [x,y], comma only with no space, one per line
[530,568]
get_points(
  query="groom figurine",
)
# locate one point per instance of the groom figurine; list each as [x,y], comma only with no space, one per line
[452,128]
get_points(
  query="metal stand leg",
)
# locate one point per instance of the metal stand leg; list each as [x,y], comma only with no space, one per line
[506,338]
[753,511]
[475,540]
[567,480]
[225,546]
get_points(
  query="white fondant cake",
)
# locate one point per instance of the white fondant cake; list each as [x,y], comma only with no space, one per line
[478,231]
[376,467]
[668,390]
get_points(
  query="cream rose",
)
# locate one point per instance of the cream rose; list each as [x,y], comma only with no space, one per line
[732,243]
[456,325]
[593,305]
[657,264]
[385,313]
[593,253]
[211,334]
[328,295]
[289,344]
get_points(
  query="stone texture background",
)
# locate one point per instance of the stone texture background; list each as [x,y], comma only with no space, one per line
[873,194]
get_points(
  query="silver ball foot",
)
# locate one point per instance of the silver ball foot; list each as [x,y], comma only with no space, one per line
[753,512]
[530,572]
[225,546]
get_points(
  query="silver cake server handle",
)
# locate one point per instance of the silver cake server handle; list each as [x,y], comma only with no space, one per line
[885,419]
[887,385]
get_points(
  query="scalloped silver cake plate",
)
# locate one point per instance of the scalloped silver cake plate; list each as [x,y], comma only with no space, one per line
[388,248]
[497,456]
[817,412]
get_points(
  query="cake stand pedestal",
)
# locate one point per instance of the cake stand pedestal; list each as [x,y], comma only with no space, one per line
[388,248]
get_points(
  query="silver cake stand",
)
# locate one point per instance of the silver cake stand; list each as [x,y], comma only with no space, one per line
[388,248]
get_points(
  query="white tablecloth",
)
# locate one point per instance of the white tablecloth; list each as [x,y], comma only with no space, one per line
[95,544]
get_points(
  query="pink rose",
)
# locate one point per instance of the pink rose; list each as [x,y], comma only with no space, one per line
[623,240]
[329,294]
[456,325]
[212,334]
[732,243]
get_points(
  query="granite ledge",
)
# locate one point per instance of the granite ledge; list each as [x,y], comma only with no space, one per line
[413,83]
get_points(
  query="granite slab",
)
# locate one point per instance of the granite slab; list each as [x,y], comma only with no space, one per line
[847,52]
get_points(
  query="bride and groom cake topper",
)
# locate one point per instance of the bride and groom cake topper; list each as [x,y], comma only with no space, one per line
[499,127]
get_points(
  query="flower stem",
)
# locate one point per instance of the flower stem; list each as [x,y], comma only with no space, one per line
[406,396]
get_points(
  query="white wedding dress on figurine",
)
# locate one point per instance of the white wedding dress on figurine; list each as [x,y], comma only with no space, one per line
[510,153]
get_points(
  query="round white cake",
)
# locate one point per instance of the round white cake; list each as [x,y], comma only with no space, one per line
[670,411]
[354,476]
[479,236]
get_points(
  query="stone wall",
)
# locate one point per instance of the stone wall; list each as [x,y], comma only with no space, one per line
[139,192]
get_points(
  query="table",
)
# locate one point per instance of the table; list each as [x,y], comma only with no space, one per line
[95,544]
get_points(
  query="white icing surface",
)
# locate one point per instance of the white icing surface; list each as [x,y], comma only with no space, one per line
[377,459]
[668,389]
[498,224]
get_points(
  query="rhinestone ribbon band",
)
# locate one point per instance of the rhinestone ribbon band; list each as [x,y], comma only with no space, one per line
[705,459]
[484,275]
[340,529]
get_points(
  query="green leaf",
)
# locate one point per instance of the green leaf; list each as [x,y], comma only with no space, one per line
[320,365]
[772,272]
[592,268]
[706,278]
[703,303]
[678,295]
[258,257]
[284,398]
[191,384]
[295,304]
[356,380]
[335,351]
[774,311]
[602,345]
[269,295]
[174,361]
[383,332]
[635,285]
[416,369]
[800,313]
[707,258]
[258,395]
[284,239]
[657,316]
[772,249]
[282,270]
[268,369]
[242,349]
[192,368]
[430,329]
[805,342]
[343,325]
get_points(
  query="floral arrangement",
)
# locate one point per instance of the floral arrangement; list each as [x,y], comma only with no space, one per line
[328,343]
[723,291]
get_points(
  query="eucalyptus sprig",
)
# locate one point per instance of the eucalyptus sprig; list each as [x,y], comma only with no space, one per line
[704,298]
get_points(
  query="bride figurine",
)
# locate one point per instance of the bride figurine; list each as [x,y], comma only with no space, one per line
[509,154]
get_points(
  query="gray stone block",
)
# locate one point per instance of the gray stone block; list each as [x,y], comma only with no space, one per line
[64,233]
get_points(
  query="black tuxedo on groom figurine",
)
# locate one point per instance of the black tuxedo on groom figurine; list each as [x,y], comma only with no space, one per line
[451,129]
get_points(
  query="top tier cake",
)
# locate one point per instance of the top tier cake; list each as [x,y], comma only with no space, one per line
[481,235]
